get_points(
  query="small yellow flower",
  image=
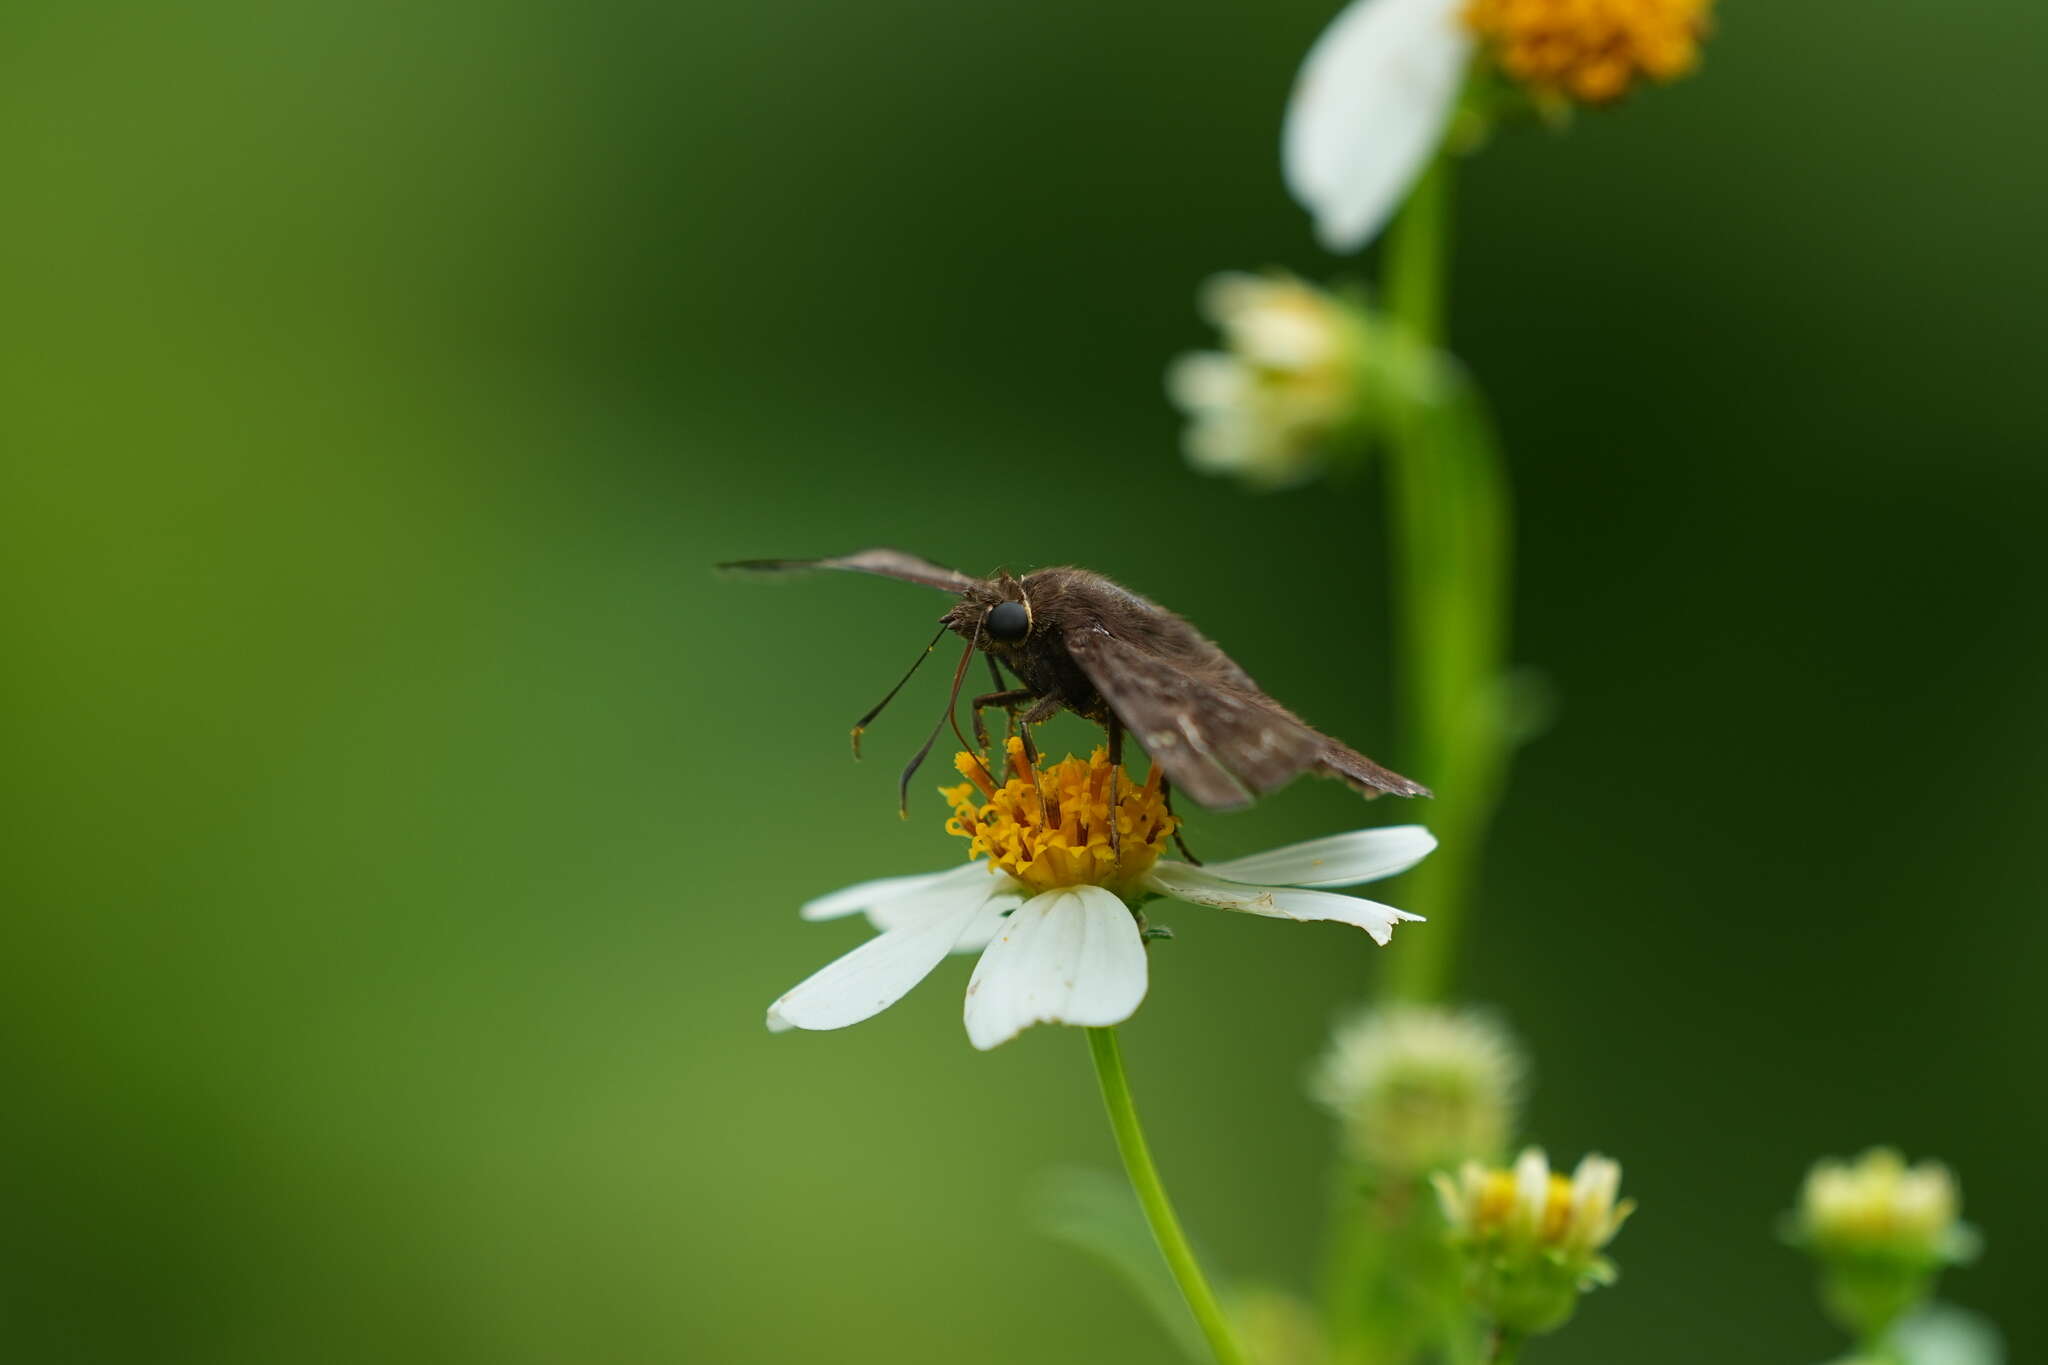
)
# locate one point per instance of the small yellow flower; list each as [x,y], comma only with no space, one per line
[1882,1231]
[1590,51]
[1057,832]
[1879,1204]
[1531,1205]
[1532,1238]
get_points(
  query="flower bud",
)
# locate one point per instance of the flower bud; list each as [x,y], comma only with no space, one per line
[1287,396]
[1882,1231]
[1420,1088]
[1531,1239]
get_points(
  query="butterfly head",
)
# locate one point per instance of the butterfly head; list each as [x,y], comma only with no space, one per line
[996,609]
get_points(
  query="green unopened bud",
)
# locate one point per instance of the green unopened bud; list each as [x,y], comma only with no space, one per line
[1882,1232]
[1531,1239]
[1419,1088]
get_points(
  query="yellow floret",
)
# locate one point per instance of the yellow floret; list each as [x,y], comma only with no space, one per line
[1056,832]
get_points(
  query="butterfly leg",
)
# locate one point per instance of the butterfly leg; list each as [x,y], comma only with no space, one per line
[1166,794]
[995,676]
[1041,711]
[1009,699]
[1116,765]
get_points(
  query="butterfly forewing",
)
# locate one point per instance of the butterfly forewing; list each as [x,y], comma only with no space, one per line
[1222,745]
[888,563]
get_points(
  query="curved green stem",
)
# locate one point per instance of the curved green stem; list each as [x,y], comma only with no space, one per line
[1166,1229]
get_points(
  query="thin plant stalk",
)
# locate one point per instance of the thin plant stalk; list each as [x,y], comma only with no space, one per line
[1451,515]
[1159,1215]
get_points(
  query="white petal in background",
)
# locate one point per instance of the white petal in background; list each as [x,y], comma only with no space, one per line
[1071,956]
[1363,855]
[976,882]
[1199,886]
[880,891]
[1532,1191]
[1368,111]
[880,972]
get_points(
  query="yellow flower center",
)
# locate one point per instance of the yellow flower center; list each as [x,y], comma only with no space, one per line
[1592,51]
[1055,832]
[1498,1197]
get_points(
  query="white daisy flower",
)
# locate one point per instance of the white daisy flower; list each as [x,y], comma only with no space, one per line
[1378,88]
[1049,904]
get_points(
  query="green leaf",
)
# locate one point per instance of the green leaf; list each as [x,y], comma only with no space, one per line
[1096,1213]
[1943,1334]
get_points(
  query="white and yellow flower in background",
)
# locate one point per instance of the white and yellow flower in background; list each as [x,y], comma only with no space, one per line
[1377,92]
[1287,394]
[1048,901]
[1531,1238]
[1882,1231]
[1879,1204]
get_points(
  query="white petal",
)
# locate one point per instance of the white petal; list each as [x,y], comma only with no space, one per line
[1207,381]
[1289,339]
[1532,1191]
[1594,1185]
[866,895]
[1363,855]
[942,897]
[875,975]
[1228,442]
[1199,886]
[1368,111]
[1227,294]
[1071,956]
[987,920]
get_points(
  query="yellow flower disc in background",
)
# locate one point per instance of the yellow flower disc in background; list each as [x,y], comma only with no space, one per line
[1591,51]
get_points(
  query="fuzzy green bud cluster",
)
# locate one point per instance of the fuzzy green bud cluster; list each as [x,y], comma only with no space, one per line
[1531,1239]
[1417,1089]
[1882,1231]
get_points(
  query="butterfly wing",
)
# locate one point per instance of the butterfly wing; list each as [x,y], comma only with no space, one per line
[1221,744]
[885,562]
[1217,736]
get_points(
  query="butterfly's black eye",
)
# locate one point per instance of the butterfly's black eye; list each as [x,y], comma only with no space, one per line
[1009,622]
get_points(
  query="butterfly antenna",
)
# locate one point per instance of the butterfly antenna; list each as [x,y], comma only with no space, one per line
[917,760]
[876,709]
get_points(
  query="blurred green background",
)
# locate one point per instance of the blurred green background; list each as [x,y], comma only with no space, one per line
[406,826]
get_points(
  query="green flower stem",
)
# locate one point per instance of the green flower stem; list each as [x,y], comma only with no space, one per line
[1451,513]
[1418,255]
[1166,1230]
[1507,1347]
